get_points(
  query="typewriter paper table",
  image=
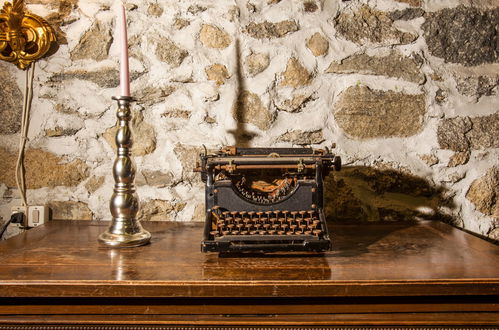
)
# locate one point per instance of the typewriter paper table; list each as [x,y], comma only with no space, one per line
[417,274]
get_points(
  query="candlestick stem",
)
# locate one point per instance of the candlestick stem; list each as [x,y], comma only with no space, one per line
[125,229]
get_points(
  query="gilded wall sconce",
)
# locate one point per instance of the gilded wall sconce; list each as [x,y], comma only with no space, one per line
[24,37]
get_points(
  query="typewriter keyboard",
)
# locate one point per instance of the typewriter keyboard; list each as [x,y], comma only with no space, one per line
[289,223]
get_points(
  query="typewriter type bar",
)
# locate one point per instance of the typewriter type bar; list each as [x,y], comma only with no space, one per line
[266,199]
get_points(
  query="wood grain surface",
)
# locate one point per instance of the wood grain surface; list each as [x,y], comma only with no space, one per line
[63,258]
[418,273]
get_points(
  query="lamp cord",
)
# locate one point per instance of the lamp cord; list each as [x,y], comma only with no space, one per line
[28,98]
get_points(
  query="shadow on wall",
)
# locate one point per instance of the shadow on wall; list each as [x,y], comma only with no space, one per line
[241,135]
[360,193]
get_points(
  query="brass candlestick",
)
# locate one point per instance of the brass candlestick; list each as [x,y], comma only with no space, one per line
[125,229]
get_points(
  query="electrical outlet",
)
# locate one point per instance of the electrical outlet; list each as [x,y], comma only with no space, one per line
[20,222]
[37,215]
[33,217]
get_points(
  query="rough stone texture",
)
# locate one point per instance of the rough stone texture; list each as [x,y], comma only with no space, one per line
[296,104]
[429,159]
[296,75]
[60,16]
[249,109]
[188,157]
[94,183]
[158,178]
[484,193]
[451,133]
[155,10]
[196,9]
[414,3]
[60,131]
[268,30]
[318,45]
[392,65]
[180,23]
[256,63]
[43,169]
[94,44]
[406,14]
[218,73]
[70,210]
[464,35]
[310,6]
[214,37]
[494,234]
[464,133]
[367,25]
[459,158]
[185,110]
[177,113]
[151,94]
[144,137]
[168,52]
[105,78]
[10,103]
[364,113]
[485,132]
[156,210]
[233,14]
[478,86]
[441,96]
[298,137]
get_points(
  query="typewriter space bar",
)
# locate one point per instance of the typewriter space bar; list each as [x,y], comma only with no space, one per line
[272,239]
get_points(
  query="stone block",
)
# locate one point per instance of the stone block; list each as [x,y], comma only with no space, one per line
[365,114]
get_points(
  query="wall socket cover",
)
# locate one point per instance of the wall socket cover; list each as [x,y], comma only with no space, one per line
[35,216]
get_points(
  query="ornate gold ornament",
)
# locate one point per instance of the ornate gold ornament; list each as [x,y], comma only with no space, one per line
[24,37]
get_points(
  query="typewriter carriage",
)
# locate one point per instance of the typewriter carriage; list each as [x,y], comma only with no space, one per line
[265,199]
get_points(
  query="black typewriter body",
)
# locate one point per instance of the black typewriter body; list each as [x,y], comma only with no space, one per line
[265,199]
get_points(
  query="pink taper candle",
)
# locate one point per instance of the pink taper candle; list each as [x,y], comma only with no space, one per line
[124,74]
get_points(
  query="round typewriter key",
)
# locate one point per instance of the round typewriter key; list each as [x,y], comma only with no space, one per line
[281,232]
[235,232]
[317,232]
[252,232]
[262,232]
[259,215]
[214,233]
[244,232]
[225,232]
[308,232]
[272,232]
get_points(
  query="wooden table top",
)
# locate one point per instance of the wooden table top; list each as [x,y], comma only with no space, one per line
[64,259]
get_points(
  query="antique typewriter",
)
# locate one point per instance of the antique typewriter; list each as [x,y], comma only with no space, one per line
[265,199]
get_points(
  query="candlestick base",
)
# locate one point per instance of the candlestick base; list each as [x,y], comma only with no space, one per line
[125,229]
[124,240]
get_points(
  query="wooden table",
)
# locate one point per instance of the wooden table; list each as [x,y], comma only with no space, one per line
[419,274]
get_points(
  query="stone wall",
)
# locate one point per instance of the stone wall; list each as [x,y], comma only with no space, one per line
[407,89]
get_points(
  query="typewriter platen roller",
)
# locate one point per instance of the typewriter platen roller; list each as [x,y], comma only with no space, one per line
[266,199]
